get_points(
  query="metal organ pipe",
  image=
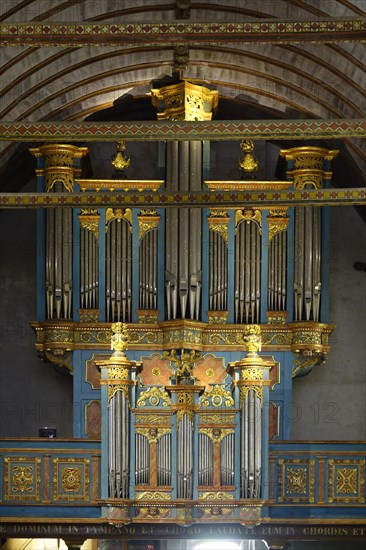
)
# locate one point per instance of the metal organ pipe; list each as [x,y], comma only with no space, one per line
[59,261]
[277,267]
[205,460]
[89,269]
[118,271]
[142,447]
[183,251]
[185,458]
[250,446]
[307,272]
[217,271]
[299,262]
[227,460]
[50,248]
[247,272]
[148,270]
[316,262]
[163,460]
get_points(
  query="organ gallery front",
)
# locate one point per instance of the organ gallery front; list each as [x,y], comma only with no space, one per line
[184,325]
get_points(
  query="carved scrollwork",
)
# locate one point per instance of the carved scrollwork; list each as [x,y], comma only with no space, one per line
[248,215]
[216,396]
[154,397]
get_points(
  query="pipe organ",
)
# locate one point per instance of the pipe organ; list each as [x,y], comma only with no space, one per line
[195,289]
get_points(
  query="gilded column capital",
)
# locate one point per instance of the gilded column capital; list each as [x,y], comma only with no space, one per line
[308,165]
[59,164]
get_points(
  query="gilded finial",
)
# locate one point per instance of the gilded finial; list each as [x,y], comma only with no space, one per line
[119,340]
[118,160]
[252,340]
[248,163]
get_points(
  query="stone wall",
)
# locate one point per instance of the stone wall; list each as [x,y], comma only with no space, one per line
[330,403]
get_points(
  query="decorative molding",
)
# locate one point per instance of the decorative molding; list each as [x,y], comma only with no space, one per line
[346,480]
[217,317]
[41,34]
[296,480]
[247,185]
[224,417]
[274,421]
[218,221]
[93,419]
[147,418]
[92,373]
[22,478]
[305,336]
[153,397]
[153,434]
[276,223]
[216,396]
[71,479]
[119,201]
[147,316]
[118,214]
[148,222]
[216,496]
[152,496]
[88,315]
[89,221]
[216,434]
[248,215]
[118,185]
[182,130]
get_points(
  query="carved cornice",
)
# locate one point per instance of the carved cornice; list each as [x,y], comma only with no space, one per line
[118,185]
[297,337]
[242,185]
